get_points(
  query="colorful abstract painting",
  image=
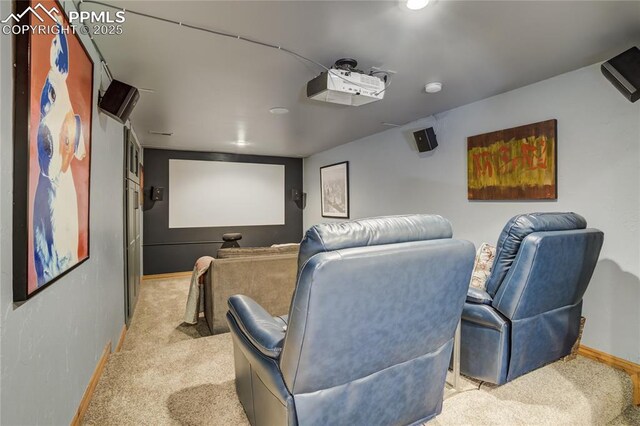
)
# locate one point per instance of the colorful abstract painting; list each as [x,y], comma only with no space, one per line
[52,150]
[514,164]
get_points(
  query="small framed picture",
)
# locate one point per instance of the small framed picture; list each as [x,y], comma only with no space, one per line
[334,190]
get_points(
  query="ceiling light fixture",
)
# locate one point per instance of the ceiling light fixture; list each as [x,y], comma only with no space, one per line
[417,4]
[241,142]
[433,87]
[278,110]
[155,132]
[142,89]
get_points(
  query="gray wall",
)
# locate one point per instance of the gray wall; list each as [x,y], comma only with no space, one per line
[50,345]
[598,177]
[160,257]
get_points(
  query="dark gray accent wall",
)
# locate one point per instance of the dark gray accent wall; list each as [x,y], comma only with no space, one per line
[162,255]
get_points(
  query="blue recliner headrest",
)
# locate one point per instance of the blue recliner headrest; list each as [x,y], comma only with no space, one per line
[370,232]
[517,230]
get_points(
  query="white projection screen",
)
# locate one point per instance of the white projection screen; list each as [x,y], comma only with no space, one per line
[216,193]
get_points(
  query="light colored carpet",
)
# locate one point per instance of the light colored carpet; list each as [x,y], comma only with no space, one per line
[631,417]
[186,383]
[157,319]
[577,392]
[169,374]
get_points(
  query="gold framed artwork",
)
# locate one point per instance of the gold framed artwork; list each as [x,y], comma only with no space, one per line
[519,163]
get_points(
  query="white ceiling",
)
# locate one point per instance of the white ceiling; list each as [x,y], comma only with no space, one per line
[212,90]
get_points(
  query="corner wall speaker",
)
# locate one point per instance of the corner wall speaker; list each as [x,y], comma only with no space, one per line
[157,193]
[425,139]
[299,197]
[623,72]
[119,100]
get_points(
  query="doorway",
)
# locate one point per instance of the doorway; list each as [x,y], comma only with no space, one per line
[133,203]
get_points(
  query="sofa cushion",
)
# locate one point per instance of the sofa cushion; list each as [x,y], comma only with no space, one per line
[228,253]
[516,230]
[286,245]
[370,232]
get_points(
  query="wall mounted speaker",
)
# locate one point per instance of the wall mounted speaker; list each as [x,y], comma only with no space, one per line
[299,197]
[296,195]
[623,72]
[425,139]
[119,100]
[157,193]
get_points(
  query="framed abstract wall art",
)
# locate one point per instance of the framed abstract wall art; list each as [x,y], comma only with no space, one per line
[52,145]
[334,190]
[514,164]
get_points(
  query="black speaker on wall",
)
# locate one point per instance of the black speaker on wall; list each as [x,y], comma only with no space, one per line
[623,72]
[119,100]
[157,193]
[425,139]
[299,197]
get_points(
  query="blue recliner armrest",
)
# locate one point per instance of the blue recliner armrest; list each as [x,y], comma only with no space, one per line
[258,326]
[475,295]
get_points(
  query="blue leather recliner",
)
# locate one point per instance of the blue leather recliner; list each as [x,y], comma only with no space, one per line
[370,330]
[529,314]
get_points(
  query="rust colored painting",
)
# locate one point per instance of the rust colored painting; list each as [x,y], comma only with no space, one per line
[514,164]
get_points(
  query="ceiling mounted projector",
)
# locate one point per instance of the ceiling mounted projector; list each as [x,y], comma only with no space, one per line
[345,85]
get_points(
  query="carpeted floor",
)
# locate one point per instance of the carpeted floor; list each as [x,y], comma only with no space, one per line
[631,416]
[186,383]
[157,319]
[169,373]
[578,392]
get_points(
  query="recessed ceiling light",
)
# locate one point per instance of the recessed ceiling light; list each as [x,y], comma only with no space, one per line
[241,143]
[417,4]
[278,110]
[433,87]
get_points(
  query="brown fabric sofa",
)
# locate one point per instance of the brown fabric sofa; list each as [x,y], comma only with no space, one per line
[266,274]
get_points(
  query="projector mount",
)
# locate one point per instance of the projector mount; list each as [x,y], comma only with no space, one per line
[344,84]
[347,64]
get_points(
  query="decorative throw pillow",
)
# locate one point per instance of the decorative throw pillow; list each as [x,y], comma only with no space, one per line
[482,266]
